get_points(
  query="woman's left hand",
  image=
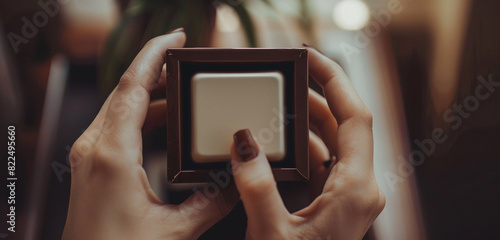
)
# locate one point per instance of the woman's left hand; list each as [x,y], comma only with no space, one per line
[110,194]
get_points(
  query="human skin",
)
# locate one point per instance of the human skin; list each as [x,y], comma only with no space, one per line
[111,197]
[110,194]
[349,199]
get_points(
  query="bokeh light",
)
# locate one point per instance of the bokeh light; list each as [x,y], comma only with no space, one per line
[351,14]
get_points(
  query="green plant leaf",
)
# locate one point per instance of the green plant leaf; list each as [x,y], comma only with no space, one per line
[246,22]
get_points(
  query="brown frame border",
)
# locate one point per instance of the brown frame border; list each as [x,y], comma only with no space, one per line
[175,56]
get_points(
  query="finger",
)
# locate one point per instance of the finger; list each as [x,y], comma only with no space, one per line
[318,153]
[354,133]
[130,102]
[255,182]
[157,115]
[342,99]
[163,75]
[318,156]
[99,124]
[207,206]
[100,118]
[160,90]
[322,119]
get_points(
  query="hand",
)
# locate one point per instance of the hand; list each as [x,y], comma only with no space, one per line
[110,195]
[350,199]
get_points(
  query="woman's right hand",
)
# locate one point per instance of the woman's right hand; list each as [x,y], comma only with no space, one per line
[350,199]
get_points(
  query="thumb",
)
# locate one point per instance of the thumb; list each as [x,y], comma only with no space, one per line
[255,182]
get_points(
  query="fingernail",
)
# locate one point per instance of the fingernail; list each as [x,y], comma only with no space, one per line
[332,160]
[181,29]
[309,46]
[245,146]
[327,163]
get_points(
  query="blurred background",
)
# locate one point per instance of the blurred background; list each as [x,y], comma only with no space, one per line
[429,70]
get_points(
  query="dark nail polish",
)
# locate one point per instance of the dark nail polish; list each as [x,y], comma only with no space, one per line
[309,46]
[245,146]
[333,159]
[181,29]
[327,163]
